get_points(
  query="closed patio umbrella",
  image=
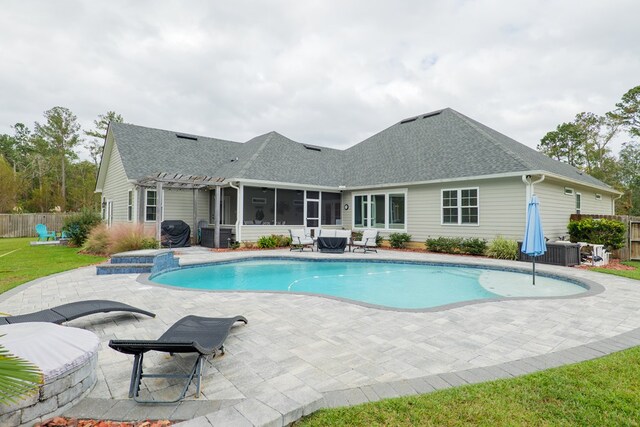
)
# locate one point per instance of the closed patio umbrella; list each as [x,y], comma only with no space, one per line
[533,243]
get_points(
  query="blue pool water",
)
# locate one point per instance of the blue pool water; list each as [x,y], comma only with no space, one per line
[394,285]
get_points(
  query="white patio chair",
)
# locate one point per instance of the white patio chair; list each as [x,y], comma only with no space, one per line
[299,240]
[368,242]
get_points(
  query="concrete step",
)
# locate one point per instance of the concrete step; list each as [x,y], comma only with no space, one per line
[122,268]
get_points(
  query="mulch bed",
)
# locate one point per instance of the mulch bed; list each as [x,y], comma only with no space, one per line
[614,264]
[74,422]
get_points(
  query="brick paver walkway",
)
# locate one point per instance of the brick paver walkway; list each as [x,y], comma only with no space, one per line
[300,353]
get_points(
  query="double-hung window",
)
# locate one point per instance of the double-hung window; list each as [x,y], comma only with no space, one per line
[460,206]
[151,205]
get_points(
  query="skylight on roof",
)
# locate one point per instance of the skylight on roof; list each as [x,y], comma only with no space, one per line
[312,148]
[189,137]
[431,114]
[412,119]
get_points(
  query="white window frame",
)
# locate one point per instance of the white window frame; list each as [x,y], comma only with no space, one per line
[578,206]
[130,204]
[385,192]
[459,206]
[146,190]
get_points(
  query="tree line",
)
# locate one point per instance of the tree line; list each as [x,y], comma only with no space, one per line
[35,164]
[40,170]
[586,141]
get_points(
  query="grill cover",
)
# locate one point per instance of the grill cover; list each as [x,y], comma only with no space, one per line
[175,233]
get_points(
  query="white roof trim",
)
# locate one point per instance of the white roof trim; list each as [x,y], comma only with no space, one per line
[105,160]
[263,183]
[481,177]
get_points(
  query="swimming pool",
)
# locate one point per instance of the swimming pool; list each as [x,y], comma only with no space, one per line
[396,285]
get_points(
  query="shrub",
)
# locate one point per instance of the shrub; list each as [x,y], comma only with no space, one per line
[608,232]
[457,245]
[282,241]
[131,237]
[448,245]
[120,238]
[399,240]
[267,242]
[234,245]
[78,225]
[473,246]
[502,248]
[248,245]
[98,241]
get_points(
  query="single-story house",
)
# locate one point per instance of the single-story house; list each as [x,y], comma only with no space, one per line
[436,174]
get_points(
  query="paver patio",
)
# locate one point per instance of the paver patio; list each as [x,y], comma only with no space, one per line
[300,353]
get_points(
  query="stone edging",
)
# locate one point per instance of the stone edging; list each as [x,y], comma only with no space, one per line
[54,397]
[251,411]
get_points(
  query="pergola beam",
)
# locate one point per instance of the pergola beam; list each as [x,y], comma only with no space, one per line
[184,182]
[180,181]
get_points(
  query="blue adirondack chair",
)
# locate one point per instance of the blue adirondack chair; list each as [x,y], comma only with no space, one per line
[44,234]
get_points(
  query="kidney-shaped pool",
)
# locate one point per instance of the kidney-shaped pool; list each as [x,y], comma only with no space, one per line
[396,285]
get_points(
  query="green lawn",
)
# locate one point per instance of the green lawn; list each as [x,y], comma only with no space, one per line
[20,262]
[631,274]
[601,392]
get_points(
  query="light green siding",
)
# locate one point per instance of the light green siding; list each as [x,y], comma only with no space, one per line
[347,215]
[556,207]
[501,209]
[117,186]
[251,233]
[178,204]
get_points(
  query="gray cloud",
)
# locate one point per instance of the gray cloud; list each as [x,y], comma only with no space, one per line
[321,72]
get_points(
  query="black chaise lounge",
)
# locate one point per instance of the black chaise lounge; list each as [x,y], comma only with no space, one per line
[66,312]
[191,334]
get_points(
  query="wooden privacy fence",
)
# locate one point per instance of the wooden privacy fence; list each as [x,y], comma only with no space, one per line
[24,225]
[631,250]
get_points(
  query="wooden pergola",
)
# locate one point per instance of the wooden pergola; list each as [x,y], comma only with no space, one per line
[180,181]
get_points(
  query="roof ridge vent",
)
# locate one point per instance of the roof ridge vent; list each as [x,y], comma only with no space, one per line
[312,147]
[426,116]
[185,136]
[409,120]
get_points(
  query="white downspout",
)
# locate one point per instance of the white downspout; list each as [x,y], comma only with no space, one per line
[529,189]
[613,204]
[239,213]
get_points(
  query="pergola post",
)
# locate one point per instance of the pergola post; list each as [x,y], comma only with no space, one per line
[159,210]
[216,218]
[195,216]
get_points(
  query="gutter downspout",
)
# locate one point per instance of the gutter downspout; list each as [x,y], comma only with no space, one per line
[613,204]
[527,180]
[238,235]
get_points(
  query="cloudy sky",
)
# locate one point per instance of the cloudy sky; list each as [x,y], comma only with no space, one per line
[324,72]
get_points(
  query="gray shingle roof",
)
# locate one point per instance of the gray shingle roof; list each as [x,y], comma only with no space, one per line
[444,145]
[273,157]
[435,146]
[147,151]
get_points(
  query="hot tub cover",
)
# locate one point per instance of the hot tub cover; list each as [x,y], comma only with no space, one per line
[53,348]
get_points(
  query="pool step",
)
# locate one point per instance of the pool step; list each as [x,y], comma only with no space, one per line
[132,263]
[132,259]
[122,268]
